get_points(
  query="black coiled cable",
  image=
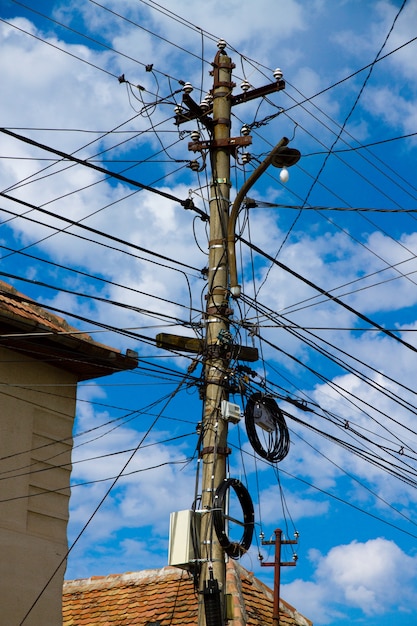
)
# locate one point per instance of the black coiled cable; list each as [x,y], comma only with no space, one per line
[235,549]
[279,438]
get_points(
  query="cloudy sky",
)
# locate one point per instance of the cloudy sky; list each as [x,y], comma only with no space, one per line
[334,318]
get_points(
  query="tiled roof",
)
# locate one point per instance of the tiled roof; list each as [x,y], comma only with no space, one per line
[166,597]
[30,329]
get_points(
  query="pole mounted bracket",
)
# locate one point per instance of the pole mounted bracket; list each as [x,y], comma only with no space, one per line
[193,344]
[215,450]
[259,92]
[194,111]
[222,310]
[228,143]
[221,60]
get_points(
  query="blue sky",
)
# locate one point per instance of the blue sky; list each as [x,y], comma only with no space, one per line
[348,483]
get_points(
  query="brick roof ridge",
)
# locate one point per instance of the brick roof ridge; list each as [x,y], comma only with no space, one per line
[284,606]
[250,576]
[252,599]
[110,581]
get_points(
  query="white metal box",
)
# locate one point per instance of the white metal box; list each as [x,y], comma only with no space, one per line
[231,411]
[184,538]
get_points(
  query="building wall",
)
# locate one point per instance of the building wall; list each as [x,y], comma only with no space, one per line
[37,408]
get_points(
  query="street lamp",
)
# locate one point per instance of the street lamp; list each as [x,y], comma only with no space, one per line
[281,156]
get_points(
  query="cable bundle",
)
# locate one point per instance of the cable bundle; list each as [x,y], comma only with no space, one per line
[263,409]
[234,549]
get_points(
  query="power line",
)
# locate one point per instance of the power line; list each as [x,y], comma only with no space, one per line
[141,27]
[337,498]
[97,168]
[100,504]
[56,47]
[83,35]
[88,229]
[328,295]
[92,277]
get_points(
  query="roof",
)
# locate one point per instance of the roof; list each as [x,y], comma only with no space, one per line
[167,597]
[30,329]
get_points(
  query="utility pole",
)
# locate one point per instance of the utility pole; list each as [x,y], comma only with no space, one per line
[214,447]
[277,564]
[217,345]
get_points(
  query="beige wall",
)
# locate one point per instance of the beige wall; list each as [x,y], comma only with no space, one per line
[37,406]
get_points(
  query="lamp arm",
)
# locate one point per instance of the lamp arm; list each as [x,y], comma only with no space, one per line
[231,236]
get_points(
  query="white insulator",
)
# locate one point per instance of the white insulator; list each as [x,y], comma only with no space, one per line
[221,44]
[245,85]
[178,110]
[195,135]
[204,105]
[245,130]
[246,158]
[188,88]
[194,165]
[278,74]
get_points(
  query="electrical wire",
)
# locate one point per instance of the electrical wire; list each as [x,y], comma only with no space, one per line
[328,295]
[263,411]
[114,482]
[87,229]
[234,549]
[97,168]
[338,498]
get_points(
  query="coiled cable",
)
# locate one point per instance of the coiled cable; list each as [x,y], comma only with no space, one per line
[234,549]
[263,411]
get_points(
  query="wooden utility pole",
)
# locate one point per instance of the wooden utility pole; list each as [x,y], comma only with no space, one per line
[217,345]
[214,448]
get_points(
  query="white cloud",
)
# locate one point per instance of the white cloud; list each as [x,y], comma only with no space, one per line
[299,507]
[376,577]
[316,44]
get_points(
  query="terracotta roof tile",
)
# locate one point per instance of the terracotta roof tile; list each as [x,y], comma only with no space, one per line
[166,596]
[29,329]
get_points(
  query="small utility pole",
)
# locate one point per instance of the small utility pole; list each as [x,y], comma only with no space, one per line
[214,448]
[277,564]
